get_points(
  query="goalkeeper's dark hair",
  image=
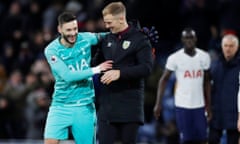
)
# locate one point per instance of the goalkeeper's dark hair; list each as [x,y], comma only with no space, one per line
[66,17]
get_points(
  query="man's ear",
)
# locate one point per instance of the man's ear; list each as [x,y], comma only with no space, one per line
[121,18]
[59,29]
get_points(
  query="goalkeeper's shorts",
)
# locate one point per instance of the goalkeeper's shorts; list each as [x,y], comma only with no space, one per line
[81,120]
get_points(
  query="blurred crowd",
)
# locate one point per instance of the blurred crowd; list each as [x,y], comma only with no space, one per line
[26,26]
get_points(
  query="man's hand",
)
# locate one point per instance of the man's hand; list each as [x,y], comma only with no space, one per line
[110,76]
[106,65]
[209,114]
[157,111]
[151,33]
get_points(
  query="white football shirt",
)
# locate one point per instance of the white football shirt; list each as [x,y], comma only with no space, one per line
[189,72]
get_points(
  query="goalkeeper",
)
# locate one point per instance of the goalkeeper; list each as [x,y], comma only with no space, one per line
[72,104]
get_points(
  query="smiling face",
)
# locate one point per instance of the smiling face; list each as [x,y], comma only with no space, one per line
[114,17]
[113,23]
[68,32]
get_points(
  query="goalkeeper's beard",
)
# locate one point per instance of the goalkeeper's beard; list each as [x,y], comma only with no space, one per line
[65,37]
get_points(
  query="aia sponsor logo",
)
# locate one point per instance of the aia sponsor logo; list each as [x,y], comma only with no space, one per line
[193,74]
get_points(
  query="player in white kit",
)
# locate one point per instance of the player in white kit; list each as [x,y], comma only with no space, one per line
[191,66]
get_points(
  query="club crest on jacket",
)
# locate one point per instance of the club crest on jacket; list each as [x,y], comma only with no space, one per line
[126,44]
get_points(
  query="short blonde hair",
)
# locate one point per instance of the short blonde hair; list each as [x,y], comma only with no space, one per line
[114,8]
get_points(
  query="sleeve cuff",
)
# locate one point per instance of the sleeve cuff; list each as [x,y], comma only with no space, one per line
[96,70]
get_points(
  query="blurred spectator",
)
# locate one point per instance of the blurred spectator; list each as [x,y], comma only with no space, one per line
[8,59]
[37,44]
[77,8]
[3,78]
[41,68]
[34,20]
[38,103]
[15,94]
[214,43]
[12,26]
[25,57]
[50,18]
[90,25]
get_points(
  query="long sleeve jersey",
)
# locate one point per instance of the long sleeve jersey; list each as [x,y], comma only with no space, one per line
[71,70]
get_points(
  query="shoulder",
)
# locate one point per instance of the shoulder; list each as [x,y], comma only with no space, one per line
[203,55]
[89,37]
[202,52]
[176,56]
[52,46]
[139,38]
[138,33]
[177,53]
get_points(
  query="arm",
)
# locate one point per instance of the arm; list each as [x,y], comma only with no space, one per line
[101,35]
[160,91]
[61,69]
[207,93]
[93,38]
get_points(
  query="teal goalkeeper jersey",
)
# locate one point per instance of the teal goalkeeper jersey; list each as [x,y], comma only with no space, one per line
[71,70]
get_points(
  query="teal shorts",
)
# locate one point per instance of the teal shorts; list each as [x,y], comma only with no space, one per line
[81,120]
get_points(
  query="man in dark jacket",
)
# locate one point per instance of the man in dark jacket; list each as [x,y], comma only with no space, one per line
[225,84]
[122,93]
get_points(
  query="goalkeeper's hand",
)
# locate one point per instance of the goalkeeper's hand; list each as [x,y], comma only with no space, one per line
[151,33]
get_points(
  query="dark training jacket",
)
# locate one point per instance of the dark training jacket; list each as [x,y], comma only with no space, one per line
[123,100]
[225,78]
